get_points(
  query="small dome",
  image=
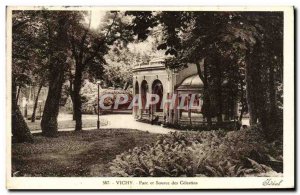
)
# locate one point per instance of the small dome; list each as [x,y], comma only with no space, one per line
[191,82]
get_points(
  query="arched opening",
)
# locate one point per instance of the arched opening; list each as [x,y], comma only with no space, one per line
[144,92]
[136,88]
[157,88]
[136,92]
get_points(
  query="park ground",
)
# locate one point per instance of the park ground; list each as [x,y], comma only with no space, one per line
[85,153]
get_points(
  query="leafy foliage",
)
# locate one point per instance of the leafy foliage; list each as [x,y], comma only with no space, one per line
[88,49]
[118,70]
[207,153]
[243,49]
[29,46]
[89,96]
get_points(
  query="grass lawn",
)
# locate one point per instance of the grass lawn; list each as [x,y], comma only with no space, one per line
[85,153]
[34,126]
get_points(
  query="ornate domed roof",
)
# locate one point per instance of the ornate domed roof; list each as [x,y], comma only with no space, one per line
[191,82]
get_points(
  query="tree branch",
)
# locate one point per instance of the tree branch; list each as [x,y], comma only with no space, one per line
[74,53]
[101,41]
[83,38]
[199,71]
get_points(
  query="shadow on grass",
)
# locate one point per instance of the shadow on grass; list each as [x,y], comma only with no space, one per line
[75,154]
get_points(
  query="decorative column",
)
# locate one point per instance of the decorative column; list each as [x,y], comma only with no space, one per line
[140,108]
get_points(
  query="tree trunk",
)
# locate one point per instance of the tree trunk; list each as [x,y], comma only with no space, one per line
[126,85]
[250,91]
[77,98]
[72,98]
[73,105]
[241,115]
[267,112]
[18,94]
[242,101]
[255,89]
[20,130]
[56,78]
[207,106]
[272,96]
[51,109]
[219,101]
[251,104]
[206,96]
[36,103]
[219,90]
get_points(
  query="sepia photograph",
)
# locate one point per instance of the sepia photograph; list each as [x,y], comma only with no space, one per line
[150,98]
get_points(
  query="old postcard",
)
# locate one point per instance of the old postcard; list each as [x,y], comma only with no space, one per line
[150,98]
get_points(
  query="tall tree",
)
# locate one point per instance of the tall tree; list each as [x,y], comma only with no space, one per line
[220,39]
[57,24]
[39,74]
[22,29]
[40,85]
[88,49]
[264,69]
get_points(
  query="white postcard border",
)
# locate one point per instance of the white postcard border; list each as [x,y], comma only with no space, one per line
[287,181]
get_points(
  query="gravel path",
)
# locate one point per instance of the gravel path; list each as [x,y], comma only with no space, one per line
[128,122]
[116,121]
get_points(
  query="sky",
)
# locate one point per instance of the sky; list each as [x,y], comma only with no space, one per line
[144,48]
[97,17]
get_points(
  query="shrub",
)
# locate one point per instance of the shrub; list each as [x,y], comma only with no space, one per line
[89,105]
[228,125]
[166,157]
[207,153]
[89,96]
